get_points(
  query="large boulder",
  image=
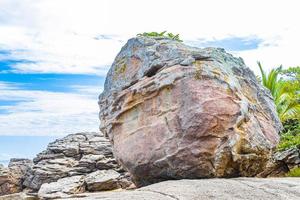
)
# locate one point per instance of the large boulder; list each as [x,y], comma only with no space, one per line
[74,155]
[172,111]
[12,177]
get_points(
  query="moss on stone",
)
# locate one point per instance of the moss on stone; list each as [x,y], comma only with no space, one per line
[294,172]
[120,68]
[198,73]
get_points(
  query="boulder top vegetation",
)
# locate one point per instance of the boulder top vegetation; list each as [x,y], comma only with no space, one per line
[163,34]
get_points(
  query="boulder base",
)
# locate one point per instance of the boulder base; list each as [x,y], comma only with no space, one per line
[172,111]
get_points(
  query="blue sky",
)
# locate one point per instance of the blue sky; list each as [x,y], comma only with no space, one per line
[22,146]
[54,55]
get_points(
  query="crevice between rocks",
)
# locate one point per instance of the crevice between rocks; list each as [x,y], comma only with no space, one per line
[162,193]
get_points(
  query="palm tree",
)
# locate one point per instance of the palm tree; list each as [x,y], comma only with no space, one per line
[286,93]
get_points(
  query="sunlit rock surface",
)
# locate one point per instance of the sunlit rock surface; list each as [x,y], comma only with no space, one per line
[172,111]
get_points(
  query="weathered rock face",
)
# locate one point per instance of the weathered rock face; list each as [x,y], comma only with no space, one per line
[281,163]
[74,155]
[172,111]
[11,178]
[62,188]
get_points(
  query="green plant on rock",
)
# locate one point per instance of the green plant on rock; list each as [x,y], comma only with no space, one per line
[288,141]
[284,86]
[294,172]
[290,137]
[161,34]
[286,92]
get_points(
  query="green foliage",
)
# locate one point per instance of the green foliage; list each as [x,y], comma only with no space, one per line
[293,73]
[290,137]
[292,126]
[284,86]
[161,34]
[294,172]
[270,80]
[289,141]
[285,91]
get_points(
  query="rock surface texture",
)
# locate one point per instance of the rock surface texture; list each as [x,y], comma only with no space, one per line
[12,177]
[62,188]
[204,189]
[209,189]
[282,163]
[67,164]
[172,111]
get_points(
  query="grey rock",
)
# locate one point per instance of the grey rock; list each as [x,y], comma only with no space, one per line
[102,180]
[18,196]
[289,156]
[208,189]
[281,163]
[62,188]
[73,155]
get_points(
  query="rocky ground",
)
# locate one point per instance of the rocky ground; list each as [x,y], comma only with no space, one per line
[204,189]
[81,166]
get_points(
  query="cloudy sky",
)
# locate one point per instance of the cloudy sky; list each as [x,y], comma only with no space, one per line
[54,54]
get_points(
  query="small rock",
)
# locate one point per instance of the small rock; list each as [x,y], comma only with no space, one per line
[281,163]
[291,157]
[62,188]
[102,180]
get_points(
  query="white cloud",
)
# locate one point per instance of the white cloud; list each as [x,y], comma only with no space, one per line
[84,36]
[47,113]
[59,35]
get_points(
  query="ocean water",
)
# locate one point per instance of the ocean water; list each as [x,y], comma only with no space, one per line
[22,146]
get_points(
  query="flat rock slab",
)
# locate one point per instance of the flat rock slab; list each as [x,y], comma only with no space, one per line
[236,188]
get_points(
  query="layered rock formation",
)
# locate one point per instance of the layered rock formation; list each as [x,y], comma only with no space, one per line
[77,163]
[12,177]
[75,154]
[172,111]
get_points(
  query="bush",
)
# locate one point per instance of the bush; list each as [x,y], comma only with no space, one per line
[294,172]
[289,141]
[290,135]
[162,34]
